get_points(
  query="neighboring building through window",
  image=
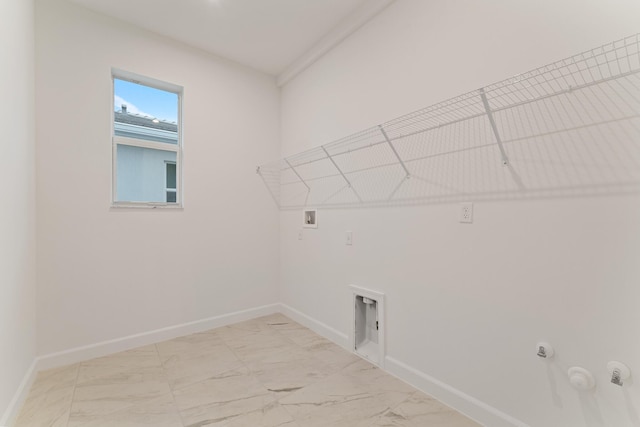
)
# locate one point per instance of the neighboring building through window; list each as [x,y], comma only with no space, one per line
[171,182]
[146,142]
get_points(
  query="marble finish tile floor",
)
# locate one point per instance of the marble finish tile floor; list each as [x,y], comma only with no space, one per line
[264,372]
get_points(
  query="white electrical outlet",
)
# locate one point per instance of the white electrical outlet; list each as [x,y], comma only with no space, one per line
[466,213]
[349,238]
[300,234]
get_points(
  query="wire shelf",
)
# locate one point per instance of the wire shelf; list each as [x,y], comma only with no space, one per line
[570,128]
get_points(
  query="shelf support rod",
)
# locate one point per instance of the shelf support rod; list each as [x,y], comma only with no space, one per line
[336,165]
[298,175]
[487,107]
[266,184]
[341,173]
[386,137]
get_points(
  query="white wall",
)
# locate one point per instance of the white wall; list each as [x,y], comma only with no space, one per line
[17,209]
[105,273]
[467,304]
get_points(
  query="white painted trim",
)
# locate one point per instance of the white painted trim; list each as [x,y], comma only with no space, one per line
[379,298]
[80,354]
[114,147]
[178,148]
[145,205]
[340,32]
[460,401]
[146,81]
[318,327]
[11,413]
[105,348]
[468,405]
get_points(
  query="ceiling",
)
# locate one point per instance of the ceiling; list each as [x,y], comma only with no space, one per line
[268,35]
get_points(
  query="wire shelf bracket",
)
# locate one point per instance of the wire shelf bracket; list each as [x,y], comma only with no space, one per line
[494,128]
[487,107]
[298,175]
[386,137]
[341,173]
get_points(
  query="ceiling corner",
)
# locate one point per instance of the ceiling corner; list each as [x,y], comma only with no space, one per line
[339,33]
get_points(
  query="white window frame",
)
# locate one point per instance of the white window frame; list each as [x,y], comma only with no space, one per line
[142,143]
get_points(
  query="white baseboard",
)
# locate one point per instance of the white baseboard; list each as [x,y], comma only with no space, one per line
[11,413]
[79,354]
[316,326]
[461,402]
[464,403]
[468,405]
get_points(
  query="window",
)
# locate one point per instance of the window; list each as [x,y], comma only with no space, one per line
[171,182]
[147,145]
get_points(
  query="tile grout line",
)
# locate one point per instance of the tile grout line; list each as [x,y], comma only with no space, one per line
[280,334]
[127,370]
[392,408]
[246,366]
[338,373]
[315,333]
[73,394]
[173,396]
[295,420]
[223,342]
[264,325]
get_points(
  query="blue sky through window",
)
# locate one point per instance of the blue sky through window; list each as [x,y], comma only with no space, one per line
[145,100]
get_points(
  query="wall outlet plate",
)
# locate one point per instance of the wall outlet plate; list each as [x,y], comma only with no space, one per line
[466,212]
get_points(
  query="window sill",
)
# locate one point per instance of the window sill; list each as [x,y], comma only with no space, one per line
[130,205]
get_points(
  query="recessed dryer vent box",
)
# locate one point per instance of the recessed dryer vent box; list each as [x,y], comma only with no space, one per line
[310,218]
[367,333]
